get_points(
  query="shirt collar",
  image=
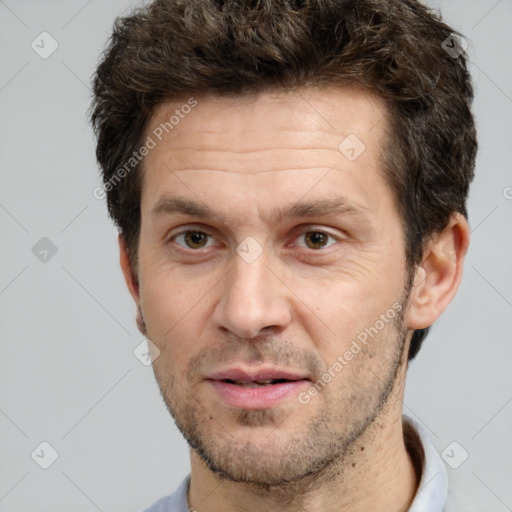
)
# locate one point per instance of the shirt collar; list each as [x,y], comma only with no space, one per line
[433,485]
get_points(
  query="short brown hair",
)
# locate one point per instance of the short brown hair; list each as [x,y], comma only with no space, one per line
[393,48]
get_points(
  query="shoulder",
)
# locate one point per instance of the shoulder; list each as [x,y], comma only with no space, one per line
[162,505]
[175,502]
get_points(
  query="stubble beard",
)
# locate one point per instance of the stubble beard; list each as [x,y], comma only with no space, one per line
[290,459]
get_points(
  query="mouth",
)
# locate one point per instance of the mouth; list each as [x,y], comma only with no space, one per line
[262,389]
[257,383]
[263,375]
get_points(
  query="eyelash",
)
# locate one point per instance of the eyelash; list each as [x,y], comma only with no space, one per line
[204,232]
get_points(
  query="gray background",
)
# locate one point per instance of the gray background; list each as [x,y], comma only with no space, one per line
[68,375]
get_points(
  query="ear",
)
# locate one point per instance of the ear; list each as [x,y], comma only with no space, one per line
[438,276]
[131,280]
[128,272]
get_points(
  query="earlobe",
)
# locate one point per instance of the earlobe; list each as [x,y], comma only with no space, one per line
[140,321]
[438,276]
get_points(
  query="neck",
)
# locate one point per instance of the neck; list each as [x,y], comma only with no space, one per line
[375,474]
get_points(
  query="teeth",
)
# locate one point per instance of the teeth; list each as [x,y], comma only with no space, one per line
[254,384]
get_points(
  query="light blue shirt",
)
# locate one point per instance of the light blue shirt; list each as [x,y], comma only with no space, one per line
[432,495]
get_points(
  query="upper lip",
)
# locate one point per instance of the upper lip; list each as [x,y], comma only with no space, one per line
[248,375]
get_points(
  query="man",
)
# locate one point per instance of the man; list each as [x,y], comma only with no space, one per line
[289,180]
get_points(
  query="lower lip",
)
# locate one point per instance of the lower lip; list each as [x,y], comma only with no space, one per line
[261,397]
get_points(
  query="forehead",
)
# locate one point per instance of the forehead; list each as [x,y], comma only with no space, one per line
[308,117]
[273,140]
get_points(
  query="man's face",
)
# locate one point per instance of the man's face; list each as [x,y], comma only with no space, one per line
[275,282]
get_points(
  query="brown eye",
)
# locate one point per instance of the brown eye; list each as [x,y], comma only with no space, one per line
[196,239]
[192,239]
[316,239]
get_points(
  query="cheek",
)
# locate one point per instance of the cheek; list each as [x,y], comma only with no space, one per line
[164,305]
[339,309]
[169,293]
[175,306]
[169,328]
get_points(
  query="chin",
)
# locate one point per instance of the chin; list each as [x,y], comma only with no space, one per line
[250,464]
[264,457]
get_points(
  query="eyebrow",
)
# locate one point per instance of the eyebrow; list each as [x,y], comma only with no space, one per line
[339,206]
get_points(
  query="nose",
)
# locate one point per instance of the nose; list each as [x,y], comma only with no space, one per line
[253,299]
